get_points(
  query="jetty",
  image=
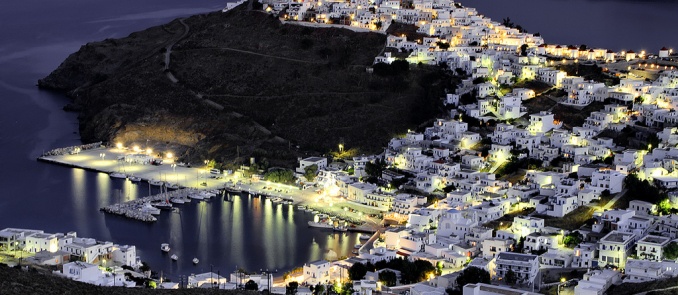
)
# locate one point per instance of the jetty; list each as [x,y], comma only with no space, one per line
[134,209]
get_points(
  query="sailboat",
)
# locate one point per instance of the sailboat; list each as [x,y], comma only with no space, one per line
[118,174]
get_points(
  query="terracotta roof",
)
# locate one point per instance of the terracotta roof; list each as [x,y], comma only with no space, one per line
[664,49]
[630,51]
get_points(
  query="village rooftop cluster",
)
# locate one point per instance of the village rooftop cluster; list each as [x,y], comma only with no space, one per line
[499,224]
[453,193]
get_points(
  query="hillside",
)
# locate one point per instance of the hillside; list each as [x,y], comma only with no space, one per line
[15,281]
[243,83]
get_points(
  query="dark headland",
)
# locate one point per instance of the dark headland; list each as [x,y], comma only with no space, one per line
[242,83]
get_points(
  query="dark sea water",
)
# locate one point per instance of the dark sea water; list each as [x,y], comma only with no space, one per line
[37,35]
[613,24]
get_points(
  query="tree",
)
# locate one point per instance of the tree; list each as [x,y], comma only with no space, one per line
[144,267]
[443,45]
[573,239]
[449,188]
[251,285]
[280,176]
[472,275]
[291,288]
[319,289]
[523,49]
[510,277]
[357,271]
[374,169]
[345,289]
[507,22]
[671,251]
[388,278]
[310,172]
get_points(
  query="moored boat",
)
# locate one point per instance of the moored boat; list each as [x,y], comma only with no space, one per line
[148,208]
[174,257]
[163,205]
[117,175]
[178,200]
[364,237]
[320,224]
[195,260]
[165,247]
[133,178]
[173,186]
[155,182]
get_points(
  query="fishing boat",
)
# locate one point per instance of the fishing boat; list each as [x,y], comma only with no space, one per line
[174,257]
[165,247]
[133,178]
[364,237]
[117,175]
[195,260]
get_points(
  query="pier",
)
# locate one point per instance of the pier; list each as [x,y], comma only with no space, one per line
[134,209]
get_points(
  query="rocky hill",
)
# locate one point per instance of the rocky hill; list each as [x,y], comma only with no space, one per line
[243,83]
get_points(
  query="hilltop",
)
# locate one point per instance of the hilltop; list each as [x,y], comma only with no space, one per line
[242,83]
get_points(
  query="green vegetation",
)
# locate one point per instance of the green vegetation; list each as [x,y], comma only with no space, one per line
[510,277]
[251,285]
[635,288]
[280,176]
[573,239]
[310,172]
[472,275]
[572,220]
[671,251]
[388,278]
[357,271]
[410,272]
[345,289]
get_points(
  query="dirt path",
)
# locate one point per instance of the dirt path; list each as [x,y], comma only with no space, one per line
[256,53]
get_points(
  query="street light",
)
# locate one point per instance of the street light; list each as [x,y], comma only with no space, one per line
[341,148]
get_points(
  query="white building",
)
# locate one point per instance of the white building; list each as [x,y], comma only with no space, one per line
[525,266]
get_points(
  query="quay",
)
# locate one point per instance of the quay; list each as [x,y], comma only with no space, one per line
[97,158]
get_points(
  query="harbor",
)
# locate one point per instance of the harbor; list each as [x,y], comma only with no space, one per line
[137,166]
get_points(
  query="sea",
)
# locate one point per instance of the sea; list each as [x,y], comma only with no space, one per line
[245,232]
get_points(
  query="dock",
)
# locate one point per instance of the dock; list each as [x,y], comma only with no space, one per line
[133,209]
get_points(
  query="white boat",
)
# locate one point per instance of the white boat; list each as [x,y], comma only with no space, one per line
[320,224]
[148,208]
[163,205]
[364,237]
[196,196]
[117,175]
[195,260]
[173,186]
[301,207]
[165,247]
[340,228]
[174,257]
[155,182]
[133,178]
[178,200]
[357,246]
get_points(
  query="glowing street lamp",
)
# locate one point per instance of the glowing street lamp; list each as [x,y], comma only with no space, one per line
[341,148]
[118,145]
[136,148]
[169,155]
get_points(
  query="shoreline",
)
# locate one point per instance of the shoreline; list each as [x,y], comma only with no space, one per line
[95,160]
